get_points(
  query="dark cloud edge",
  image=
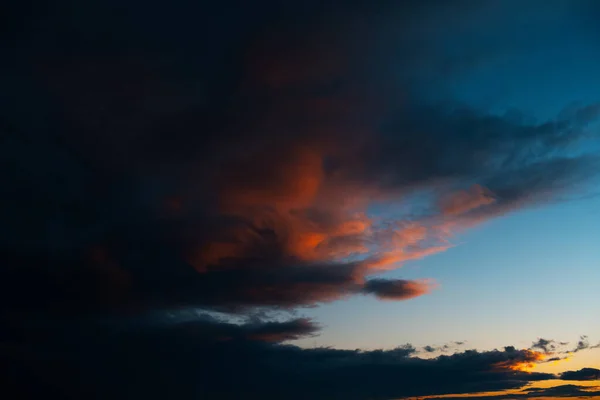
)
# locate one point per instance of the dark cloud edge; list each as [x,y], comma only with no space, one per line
[216,359]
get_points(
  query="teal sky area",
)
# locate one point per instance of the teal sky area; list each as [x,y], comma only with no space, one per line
[531,273]
[513,278]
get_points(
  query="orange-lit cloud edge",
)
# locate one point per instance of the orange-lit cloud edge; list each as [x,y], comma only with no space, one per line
[535,361]
[323,218]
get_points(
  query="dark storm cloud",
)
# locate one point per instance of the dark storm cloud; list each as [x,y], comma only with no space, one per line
[197,327]
[206,357]
[215,359]
[71,289]
[130,216]
[458,143]
[584,374]
[208,155]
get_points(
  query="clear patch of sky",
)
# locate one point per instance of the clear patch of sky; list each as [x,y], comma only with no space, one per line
[531,274]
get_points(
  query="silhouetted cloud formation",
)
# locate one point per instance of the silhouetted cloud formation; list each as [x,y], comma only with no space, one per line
[546,345]
[430,349]
[198,355]
[217,359]
[584,374]
[445,348]
[396,289]
[583,344]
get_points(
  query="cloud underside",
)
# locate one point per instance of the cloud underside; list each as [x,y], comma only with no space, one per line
[211,358]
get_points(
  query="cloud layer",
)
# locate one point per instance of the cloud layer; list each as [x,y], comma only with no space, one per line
[137,185]
[211,358]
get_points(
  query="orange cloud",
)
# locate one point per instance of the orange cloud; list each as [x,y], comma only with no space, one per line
[525,362]
[464,201]
[279,177]
[392,259]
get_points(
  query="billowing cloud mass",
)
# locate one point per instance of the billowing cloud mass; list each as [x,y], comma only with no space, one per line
[250,179]
[252,156]
[210,358]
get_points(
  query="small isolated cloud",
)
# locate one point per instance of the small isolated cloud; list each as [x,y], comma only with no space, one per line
[445,348]
[430,349]
[584,344]
[397,289]
[545,345]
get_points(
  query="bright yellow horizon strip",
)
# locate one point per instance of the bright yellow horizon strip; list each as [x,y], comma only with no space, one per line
[573,362]
[536,385]
[574,397]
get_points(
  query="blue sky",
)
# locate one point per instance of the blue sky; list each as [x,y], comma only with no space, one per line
[513,278]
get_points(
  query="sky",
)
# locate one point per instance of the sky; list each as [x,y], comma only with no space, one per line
[282,200]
